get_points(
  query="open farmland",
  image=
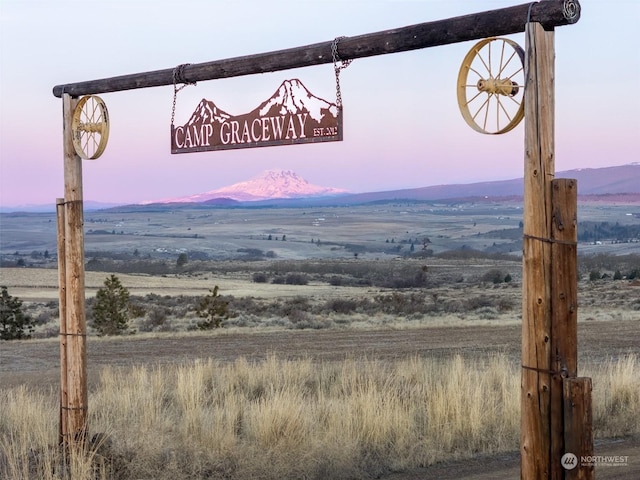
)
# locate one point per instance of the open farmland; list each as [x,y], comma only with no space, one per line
[386,230]
[391,283]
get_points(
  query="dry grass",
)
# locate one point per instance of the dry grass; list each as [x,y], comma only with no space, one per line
[616,397]
[280,419]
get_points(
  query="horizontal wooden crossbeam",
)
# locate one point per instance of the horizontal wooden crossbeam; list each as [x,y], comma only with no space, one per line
[505,21]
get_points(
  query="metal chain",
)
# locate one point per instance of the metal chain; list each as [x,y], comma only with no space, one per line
[337,68]
[178,77]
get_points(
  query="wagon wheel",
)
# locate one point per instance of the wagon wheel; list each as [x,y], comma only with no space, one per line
[90,127]
[490,86]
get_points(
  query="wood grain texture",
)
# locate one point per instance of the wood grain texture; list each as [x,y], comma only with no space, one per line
[539,171]
[505,21]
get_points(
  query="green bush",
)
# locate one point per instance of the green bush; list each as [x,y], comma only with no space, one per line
[111,308]
[213,310]
[14,323]
[260,277]
[296,279]
[182,260]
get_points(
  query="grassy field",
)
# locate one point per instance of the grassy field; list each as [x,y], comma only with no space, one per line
[286,419]
[394,346]
[374,231]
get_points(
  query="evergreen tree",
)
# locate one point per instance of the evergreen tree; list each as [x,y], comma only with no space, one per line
[14,323]
[182,260]
[111,310]
[213,310]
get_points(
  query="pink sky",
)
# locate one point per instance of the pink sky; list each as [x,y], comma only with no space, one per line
[402,124]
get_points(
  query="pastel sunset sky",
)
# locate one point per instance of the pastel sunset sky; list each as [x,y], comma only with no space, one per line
[402,125]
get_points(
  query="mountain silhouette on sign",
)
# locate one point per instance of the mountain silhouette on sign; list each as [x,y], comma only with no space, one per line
[293,97]
[291,115]
[207,112]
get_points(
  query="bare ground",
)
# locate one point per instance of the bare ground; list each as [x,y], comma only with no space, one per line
[36,362]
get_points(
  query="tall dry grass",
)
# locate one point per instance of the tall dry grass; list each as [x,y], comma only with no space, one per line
[281,419]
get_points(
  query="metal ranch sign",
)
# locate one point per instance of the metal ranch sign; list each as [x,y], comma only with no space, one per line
[292,115]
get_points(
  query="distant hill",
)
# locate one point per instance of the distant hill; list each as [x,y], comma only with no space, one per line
[284,187]
[591,181]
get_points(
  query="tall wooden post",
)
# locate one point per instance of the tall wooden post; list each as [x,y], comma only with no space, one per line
[564,309]
[62,289]
[554,402]
[539,171]
[74,281]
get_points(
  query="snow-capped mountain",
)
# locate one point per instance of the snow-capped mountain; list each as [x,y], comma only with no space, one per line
[270,184]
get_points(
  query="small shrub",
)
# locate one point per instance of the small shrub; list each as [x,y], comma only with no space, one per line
[339,305]
[43,318]
[495,276]
[182,260]
[296,279]
[111,308]
[594,275]
[213,309]
[475,303]
[259,277]
[157,317]
[14,323]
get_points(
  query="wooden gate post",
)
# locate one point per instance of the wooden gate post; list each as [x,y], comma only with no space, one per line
[564,311]
[549,425]
[74,282]
[62,308]
[539,171]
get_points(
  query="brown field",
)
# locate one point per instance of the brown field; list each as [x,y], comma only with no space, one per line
[219,244]
[34,364]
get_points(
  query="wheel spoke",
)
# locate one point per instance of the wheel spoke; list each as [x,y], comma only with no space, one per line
[501,59]
[85,144]
[93,111]
[481,107]
[502,67]
[486,113]
[485,63]
[518,103]
[515,73]
[474,97]
[476,72]
[504,110]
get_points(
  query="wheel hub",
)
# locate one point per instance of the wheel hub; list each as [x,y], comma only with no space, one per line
[498,86]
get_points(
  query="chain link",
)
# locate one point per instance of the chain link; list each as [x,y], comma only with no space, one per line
[178,77]
[338,68]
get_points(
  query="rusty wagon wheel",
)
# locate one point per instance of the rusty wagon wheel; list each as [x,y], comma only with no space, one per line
[491,86]
[90,127]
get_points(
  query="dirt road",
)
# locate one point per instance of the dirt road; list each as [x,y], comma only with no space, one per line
[506,466]
[35,361]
